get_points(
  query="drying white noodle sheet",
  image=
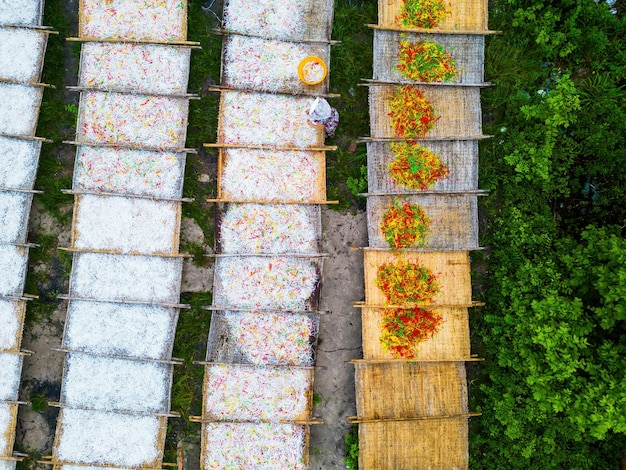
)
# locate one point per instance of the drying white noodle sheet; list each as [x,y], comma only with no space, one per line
[10,371]
[142,68]
[126,224]
[95,327]
[18,162]
[156,20]
[264,282]
[19,108]
[267,18]
[123,277]
[10,323]
[21,12]
[105,438]
[252,393]
[259,446]
[13,216]
[21,54]
[263,228]
[262,64]
[7,427]
[128,171]
[112,384]
[13,261]
[137,120]
[267,119]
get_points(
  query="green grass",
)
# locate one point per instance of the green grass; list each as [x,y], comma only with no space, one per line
[351,61]
[189,345]
[48,269]
[351,446]
[57,119]
[202,128]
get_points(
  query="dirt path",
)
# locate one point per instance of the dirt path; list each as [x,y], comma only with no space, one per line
[340,336]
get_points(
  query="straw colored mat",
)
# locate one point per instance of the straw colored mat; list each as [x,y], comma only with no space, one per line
[410,390]
[465,15]
[451,268]
[450,343]
[453,221]
[458,108]
[467,52]
[460,156]
[433,444]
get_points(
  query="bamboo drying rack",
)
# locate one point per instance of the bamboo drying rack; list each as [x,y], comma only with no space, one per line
[320,185]
[172,250]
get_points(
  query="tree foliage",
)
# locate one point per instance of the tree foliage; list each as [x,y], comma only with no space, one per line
[553,388]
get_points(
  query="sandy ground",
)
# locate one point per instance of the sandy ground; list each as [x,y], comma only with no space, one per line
[340,336]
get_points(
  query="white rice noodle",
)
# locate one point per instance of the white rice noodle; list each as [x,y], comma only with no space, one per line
[19,108]
[7,464]
[105,438]
[270,175]
[128,225]
[21,12]
[120,329]
[123,277]
[262,446]
[7,429]
[267,119]
[267,18]
[10,371]
[112,384]
[136,120]
[262,64]
[273,338]
[21,54]
[14,209]
[141,68]
[252,393]
[261,228]
[158,20]
[89,467]
[264,282]
[18,162]
[128,171]
[13,262]
[10,323]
